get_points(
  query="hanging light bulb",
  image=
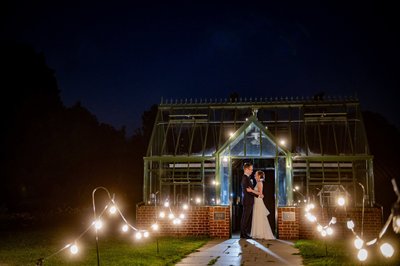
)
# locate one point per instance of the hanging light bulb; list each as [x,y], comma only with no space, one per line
[323,233]
[333,220]
[154,227]
[329,231]
[138,235]
[171,216]
[396,218]
[362,254]
[146,234]
[341,201]
[74,249]
[387,250]
[166,204]
[350,224]
[98,224]
[162,214]
[125,228]
[319,228]
[182,216]
[185,206]
[358,243]
[113,210]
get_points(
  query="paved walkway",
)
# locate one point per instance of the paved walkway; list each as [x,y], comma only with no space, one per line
[245,252]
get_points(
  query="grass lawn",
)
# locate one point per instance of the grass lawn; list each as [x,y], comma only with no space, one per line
[25,247]
[340,252]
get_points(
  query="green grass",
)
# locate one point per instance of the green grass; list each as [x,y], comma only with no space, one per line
[24,248]
[339,252]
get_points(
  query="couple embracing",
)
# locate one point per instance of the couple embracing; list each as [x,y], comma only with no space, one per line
[255,214]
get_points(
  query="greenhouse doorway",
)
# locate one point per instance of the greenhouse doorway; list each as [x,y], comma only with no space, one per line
[266,165]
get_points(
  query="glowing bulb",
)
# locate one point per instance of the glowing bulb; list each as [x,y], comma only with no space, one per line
[146,234]
[198,200]
[154,227]
[387,250]
[162,214]
[182,216]
[333,220]
[358,243]
[311,217]
[125,228]
[309,207]
[323,233]
[362,254]
[319,228]
[138,235]
[231,134]
[225,159]
[177,221]
[396,223]
[350,224]
[296,188]
[98,224]
[113,210]
[166,204]
[341,201]
[185,206]
[329,231]
[74,249]
[171,216]
[282,142]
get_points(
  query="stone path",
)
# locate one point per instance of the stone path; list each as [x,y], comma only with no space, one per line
[244,252]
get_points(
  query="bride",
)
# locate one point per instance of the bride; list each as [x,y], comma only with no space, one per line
[260,227]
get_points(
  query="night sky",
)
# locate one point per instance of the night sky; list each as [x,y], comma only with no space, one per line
[119,58]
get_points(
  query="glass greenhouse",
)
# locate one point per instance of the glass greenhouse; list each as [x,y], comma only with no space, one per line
[309,148]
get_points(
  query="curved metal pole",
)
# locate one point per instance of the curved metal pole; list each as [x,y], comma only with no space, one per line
[362,217]
[95,218]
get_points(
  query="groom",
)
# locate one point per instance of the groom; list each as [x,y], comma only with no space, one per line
[248,200]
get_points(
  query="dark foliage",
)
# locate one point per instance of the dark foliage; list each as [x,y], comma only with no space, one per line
[53,156]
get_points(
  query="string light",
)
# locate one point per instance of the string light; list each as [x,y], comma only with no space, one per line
[162,214]
[138,235]
[98,224]
[74,249]
[113,209]
[125,228]
[341,201]
[185,206]
[387,250]
[154,226]
[358,243]
[350,224]
[362,254]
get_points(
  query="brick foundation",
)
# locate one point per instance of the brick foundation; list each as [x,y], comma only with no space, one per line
[212,221]
[304,229]
[215,221]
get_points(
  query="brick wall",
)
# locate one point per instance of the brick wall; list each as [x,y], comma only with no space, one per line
[288,229]
[304,229]
[214,221]
[199,220]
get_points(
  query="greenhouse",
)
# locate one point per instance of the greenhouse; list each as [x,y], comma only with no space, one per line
[311,149]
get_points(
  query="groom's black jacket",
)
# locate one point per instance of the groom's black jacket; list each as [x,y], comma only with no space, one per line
[248,197]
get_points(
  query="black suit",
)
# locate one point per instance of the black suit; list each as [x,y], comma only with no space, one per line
[248,201]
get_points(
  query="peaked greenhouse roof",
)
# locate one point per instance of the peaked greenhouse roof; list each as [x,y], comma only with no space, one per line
[330,126]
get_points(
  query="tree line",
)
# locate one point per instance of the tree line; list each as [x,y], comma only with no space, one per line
[53,155]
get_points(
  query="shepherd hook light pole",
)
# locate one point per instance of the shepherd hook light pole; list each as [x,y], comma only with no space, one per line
[95,219]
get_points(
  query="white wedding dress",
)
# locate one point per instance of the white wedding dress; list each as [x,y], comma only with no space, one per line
[260,228]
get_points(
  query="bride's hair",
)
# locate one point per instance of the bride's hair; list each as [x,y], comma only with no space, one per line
[261,174]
